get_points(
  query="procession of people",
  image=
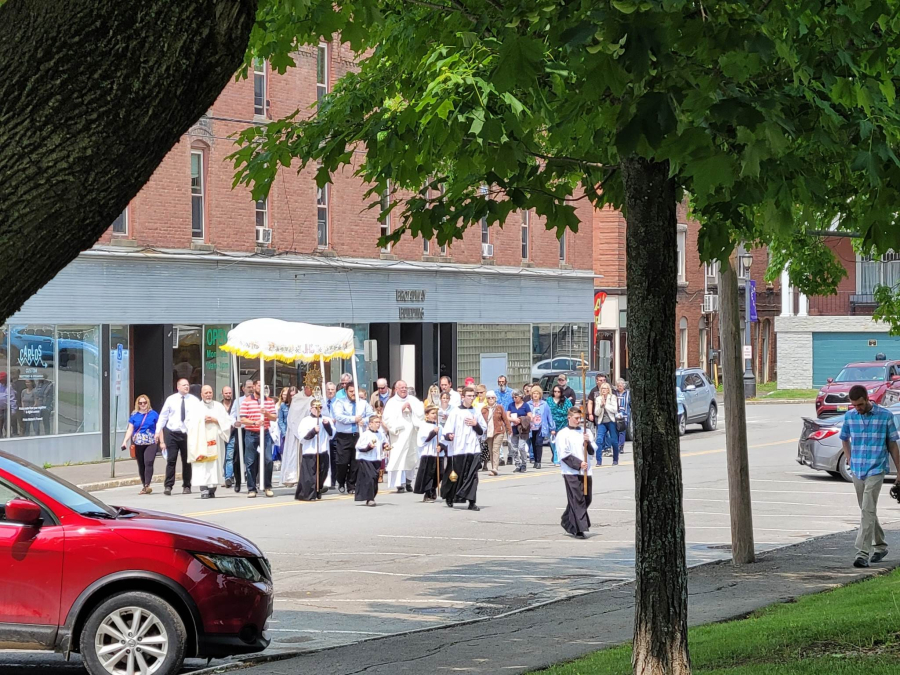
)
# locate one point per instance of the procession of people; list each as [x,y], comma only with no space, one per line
[435,448]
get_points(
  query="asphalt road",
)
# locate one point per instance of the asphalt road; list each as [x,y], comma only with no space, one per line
[344,572]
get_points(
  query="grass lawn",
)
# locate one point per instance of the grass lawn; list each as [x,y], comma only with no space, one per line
[854,630]
[793,394]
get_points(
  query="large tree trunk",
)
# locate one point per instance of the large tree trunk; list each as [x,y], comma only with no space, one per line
[740,504]
[94,94]
[660,623]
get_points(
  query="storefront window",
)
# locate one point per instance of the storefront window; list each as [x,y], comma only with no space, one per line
[216,362]
[7,396]
[79,379]
[187,356]
[31,378]
[486,351]
[120,402]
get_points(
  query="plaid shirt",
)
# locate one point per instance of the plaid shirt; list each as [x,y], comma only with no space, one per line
[869,435]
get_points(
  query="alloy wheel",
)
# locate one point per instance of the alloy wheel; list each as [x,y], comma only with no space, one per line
[131,641]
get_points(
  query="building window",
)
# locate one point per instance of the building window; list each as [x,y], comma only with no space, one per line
[871,273]
[426,246]
[526,222]
[260,105]
[78,371]
[197,195]
[321,72]
[120,224]
[562,248]
[681,253]
[444,251]
[322,219]
[385,220]
[31,393]
[262,212]
[485,231]
[683,342]
[704,344]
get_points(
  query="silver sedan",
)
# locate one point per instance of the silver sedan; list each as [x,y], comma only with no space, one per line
[820,445]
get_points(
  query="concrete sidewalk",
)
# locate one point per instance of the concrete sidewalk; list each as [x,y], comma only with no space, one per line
[94,477]
[535,638]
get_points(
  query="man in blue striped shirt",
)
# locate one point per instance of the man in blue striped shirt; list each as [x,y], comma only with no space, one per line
[869,440]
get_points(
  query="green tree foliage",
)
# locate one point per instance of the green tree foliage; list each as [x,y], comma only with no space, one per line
[776,118]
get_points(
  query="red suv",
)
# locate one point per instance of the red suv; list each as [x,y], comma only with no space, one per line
[132,591]
[876,376]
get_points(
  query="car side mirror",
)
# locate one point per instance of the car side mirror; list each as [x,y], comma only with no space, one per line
[830,380]
[23,511]
[690,387]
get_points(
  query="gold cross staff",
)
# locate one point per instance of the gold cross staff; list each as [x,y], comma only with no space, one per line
[584,368]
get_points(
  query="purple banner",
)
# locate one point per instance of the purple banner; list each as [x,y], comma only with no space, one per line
[753,316]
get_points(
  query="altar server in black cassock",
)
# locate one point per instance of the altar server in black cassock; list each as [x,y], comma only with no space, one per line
[315,433]
[370,450]
[574,464]
[430,448]
[463,430]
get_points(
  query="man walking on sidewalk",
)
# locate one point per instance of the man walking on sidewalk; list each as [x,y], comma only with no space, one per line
[171,434]
[869,439]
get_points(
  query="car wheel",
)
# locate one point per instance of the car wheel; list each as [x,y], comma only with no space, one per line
[132,633]
[712,418]
[844,469]
[682,424]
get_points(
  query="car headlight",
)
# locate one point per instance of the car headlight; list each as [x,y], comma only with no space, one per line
[232,566]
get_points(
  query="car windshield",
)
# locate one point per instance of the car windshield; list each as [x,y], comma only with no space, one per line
[861,374]
[57,489]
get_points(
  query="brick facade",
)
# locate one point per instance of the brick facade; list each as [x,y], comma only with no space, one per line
[609,263]
[160,215]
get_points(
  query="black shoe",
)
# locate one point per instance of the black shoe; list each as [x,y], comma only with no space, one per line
[615,464]
[878,556]
[325,489]
[237,487]
[228,482]
[341,489]
[537,466]
[861,562]
[167,492]
[473,507]
[186,491]
[523,469]
[409,487]
[449,503]
[212,493]
[579,535]
[401,490]
[351,492]
[204,495]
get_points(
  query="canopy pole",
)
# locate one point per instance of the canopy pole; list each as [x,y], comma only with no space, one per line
[240,431]
[322,415]
[353,370]
[262,416]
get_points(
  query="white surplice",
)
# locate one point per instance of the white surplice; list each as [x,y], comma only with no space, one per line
[207,439]
[402,425]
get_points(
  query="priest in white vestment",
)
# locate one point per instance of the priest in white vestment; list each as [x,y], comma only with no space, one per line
[209,428]
[401,417]
[290,444]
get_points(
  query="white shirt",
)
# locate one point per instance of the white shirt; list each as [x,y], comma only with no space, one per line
[428,448]
[455,399]
[310,446]
[465,438]
[570,443]
[363,451]
[170,415]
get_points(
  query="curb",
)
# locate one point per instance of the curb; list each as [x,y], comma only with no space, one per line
[778,401]
[283,656]
[122,482]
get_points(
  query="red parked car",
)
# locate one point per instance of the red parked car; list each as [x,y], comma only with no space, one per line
[876,376]
[132,591]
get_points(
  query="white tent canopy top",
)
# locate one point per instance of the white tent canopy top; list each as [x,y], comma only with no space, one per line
[274,339]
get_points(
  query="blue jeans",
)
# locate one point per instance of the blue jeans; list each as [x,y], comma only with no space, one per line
[251,460]
[229,455]
[606,431]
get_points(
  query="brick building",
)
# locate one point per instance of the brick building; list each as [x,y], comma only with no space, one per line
[190,257]
[697,325]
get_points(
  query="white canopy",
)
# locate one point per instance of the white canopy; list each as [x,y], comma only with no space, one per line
[273,339]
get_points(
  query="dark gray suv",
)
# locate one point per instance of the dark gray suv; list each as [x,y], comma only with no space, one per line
[698,398]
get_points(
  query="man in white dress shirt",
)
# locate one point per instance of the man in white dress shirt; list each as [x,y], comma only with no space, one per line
[447,385]
[171,434]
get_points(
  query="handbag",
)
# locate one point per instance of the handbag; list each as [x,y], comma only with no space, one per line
[621,424]
[133,449]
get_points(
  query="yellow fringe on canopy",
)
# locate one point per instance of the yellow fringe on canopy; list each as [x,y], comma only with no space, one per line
[286,358]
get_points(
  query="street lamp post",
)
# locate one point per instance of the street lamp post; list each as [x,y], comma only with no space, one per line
[749,378]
